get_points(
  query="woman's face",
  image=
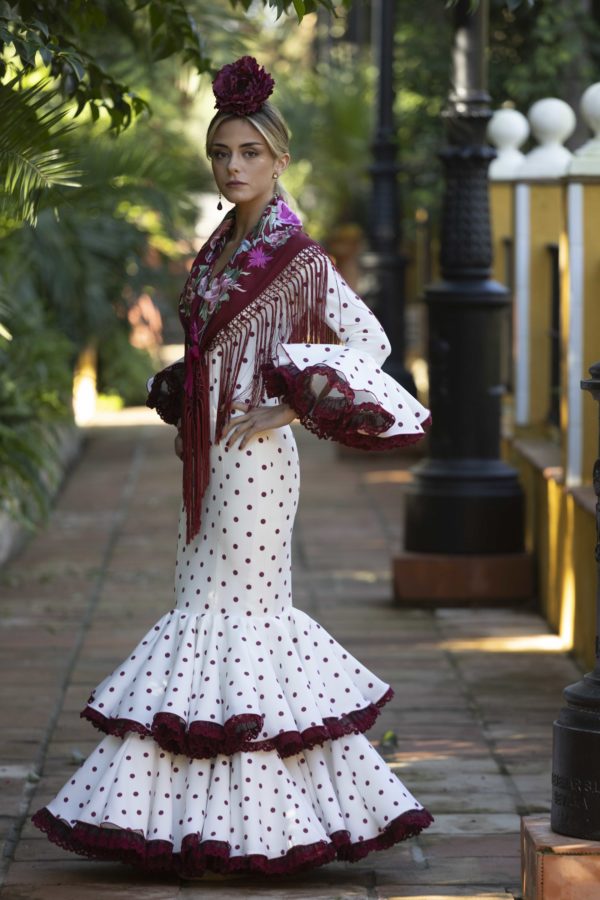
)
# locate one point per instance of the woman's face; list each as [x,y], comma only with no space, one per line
[242,163]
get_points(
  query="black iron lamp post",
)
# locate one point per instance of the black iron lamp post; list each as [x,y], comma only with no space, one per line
[464,498]
[576,753]
[383,264]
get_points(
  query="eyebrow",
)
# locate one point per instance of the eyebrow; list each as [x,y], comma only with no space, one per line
[247,144]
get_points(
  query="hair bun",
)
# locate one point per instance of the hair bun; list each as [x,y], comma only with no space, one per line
[242,87]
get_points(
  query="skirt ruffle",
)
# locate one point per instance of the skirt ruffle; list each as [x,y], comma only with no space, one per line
[132,802]
[271,682]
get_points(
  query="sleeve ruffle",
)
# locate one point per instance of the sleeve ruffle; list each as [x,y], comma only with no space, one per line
[338,393]
[165,393]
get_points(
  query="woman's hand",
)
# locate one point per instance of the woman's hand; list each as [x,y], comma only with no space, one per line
[260,418]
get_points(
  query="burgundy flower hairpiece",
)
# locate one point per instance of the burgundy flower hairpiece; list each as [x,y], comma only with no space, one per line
[242,87]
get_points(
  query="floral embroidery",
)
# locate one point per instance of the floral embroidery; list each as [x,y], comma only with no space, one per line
[257,258]
[286,216]
[203,295]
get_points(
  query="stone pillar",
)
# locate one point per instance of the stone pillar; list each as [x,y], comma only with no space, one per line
[539,222]
[507,131]
[582,311]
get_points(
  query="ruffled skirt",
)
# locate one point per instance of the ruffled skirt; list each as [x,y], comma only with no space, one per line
[234,730]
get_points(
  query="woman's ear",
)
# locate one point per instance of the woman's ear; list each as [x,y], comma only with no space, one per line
[282,164]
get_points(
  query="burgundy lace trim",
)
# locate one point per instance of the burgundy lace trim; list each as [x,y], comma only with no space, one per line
[198,856]
[338,418]
[204,740]
[166,393]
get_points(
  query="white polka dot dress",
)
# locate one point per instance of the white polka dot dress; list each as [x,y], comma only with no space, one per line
[234,730]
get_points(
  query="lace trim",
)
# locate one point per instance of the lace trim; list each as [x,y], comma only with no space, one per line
[166,393]
[338,418]
[198,856]
[204,740]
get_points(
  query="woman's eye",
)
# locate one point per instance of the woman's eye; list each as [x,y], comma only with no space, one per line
[251,153]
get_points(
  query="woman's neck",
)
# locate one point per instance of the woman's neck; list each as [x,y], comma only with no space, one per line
[246,217]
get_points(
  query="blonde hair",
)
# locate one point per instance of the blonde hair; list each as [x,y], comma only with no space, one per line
[269,122]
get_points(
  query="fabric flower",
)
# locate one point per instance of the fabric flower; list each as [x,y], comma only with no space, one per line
[257,258]
[223,229]
[285,214]
[212,294]
[242,87]
[277,238]
[228,283]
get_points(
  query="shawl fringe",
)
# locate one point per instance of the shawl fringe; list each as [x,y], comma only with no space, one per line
[289,309]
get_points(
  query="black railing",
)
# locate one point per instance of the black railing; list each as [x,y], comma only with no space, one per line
[554,406]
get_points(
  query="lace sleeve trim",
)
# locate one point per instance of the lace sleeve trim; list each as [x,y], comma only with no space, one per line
[166,393]
[335,413]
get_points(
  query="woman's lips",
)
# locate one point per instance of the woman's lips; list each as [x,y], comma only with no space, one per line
[235,183]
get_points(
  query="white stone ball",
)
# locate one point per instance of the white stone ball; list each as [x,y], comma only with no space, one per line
[552,120]
[507,128]
[590,107]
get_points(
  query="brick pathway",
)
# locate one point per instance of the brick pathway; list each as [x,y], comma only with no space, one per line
[469,729]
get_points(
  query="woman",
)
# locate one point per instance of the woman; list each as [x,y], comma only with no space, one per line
[235,729]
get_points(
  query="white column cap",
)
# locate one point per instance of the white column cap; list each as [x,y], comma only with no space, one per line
[552,122]
[507,130]
[586,160]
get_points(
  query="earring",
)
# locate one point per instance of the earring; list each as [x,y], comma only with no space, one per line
[275,177]
[219,204]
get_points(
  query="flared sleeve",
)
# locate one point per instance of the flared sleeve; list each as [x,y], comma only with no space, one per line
[340,391]
[165,392]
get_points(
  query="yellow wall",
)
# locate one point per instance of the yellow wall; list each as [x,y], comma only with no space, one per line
[584,542]
[547,222]
[561,535]
[560,524]
[591,321]
[501,211]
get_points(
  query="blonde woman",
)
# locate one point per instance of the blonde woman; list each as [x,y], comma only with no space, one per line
[235,730]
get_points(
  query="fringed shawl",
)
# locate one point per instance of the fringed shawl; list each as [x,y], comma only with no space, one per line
[283,300]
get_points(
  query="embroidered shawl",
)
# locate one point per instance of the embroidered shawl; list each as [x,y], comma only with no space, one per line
[273,289]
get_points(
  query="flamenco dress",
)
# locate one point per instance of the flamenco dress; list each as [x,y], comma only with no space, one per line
[234,732]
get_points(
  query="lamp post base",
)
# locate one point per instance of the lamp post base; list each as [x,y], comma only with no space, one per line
[464,506]
[576,762]
[446,580]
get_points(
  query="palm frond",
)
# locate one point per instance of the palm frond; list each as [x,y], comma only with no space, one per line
[32,159]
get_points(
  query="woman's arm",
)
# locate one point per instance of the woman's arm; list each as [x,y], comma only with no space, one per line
[340,391]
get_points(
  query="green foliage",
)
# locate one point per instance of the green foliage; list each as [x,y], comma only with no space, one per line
[80,265]
[31,161]
[423,42]
[300,7]
[35,387]
[58,33]
[72,278]
[548,49]
[123,369]
[335,100]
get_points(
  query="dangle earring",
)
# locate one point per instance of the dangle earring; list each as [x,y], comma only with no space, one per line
[275,177]
[219,204]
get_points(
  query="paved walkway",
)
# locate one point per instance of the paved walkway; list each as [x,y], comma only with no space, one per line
[469,729]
